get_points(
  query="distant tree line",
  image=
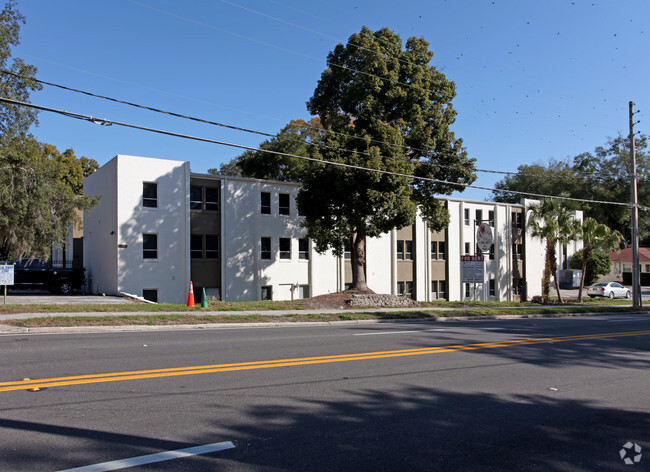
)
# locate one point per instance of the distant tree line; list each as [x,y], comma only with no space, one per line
[603,175]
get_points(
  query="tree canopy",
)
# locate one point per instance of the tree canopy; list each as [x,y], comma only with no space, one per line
[381,106]
[294,138]
[40,188]
[603,175]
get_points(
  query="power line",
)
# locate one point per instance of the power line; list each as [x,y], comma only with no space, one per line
[321,145]
[106,122]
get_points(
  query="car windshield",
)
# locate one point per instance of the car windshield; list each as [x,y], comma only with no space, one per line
[600,284]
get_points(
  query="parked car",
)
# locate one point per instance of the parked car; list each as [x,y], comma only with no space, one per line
[608,289]
[38,273]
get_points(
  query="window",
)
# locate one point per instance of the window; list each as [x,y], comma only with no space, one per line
[442,289]
[408,250]
[492,287]
[517,286]
[405,250]
[149,246]
[400,250]
[627,267]
[204,198]
[196,198]
[211,199]
[441,251]
[347,251]
[204,246]
[467,291]
[466,216]
[405,289]
[491,217]
[434,289]
[492,252]
[212,246]
[267,292]
[196,246]
[285,248]
[150,294]
[266,203]
[434,250]
[266,249]
[466,248]
[479,215]
[303,291]
[303,249]
[517,251]
[647,267]
[150,195]
[517,220]
[285,208]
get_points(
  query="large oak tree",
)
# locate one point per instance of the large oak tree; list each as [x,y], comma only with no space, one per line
[382,106]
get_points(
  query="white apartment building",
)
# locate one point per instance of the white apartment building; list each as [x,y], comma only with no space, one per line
[158,226]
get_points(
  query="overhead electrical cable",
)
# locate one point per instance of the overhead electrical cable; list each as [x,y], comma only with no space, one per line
[321,145]
[107,122]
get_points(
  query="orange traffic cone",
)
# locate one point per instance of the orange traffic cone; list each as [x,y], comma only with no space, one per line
[190,297]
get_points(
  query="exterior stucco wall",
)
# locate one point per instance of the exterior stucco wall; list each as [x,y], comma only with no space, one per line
[244,226]
[101,230]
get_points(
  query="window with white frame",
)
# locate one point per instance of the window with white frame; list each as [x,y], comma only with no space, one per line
[149,246]
[303,249]
[408,250]
[265,205]
[149,194]
[285,204]
[285,248]
[265,248]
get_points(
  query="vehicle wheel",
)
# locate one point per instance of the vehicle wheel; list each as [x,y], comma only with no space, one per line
[611,294]
[628,295]
[65,288]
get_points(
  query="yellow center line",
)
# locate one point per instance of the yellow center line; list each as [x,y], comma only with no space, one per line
[240,366]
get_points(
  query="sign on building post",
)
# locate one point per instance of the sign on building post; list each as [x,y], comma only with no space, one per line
[484,236]
[472,269]
[6,277]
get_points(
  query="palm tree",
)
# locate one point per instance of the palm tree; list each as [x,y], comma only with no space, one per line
[595,235]
[552,221]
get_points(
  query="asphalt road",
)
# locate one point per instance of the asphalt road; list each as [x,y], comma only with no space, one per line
[529,395]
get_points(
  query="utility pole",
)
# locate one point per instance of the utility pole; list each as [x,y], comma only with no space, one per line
[636,275]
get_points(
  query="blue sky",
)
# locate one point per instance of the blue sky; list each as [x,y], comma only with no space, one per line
[535,80]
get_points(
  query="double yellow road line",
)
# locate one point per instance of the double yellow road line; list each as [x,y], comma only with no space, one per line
[37,384]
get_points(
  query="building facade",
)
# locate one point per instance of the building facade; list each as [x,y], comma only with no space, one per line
[158,226]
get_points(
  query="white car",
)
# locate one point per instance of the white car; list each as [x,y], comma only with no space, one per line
[608,289]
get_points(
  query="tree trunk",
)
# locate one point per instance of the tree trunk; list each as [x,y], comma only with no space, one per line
[359,260]
[546,281]
[553,267]
[586,254]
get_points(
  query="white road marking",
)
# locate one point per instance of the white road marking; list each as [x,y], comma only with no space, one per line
[627,320]
[151,458]
[399,332]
